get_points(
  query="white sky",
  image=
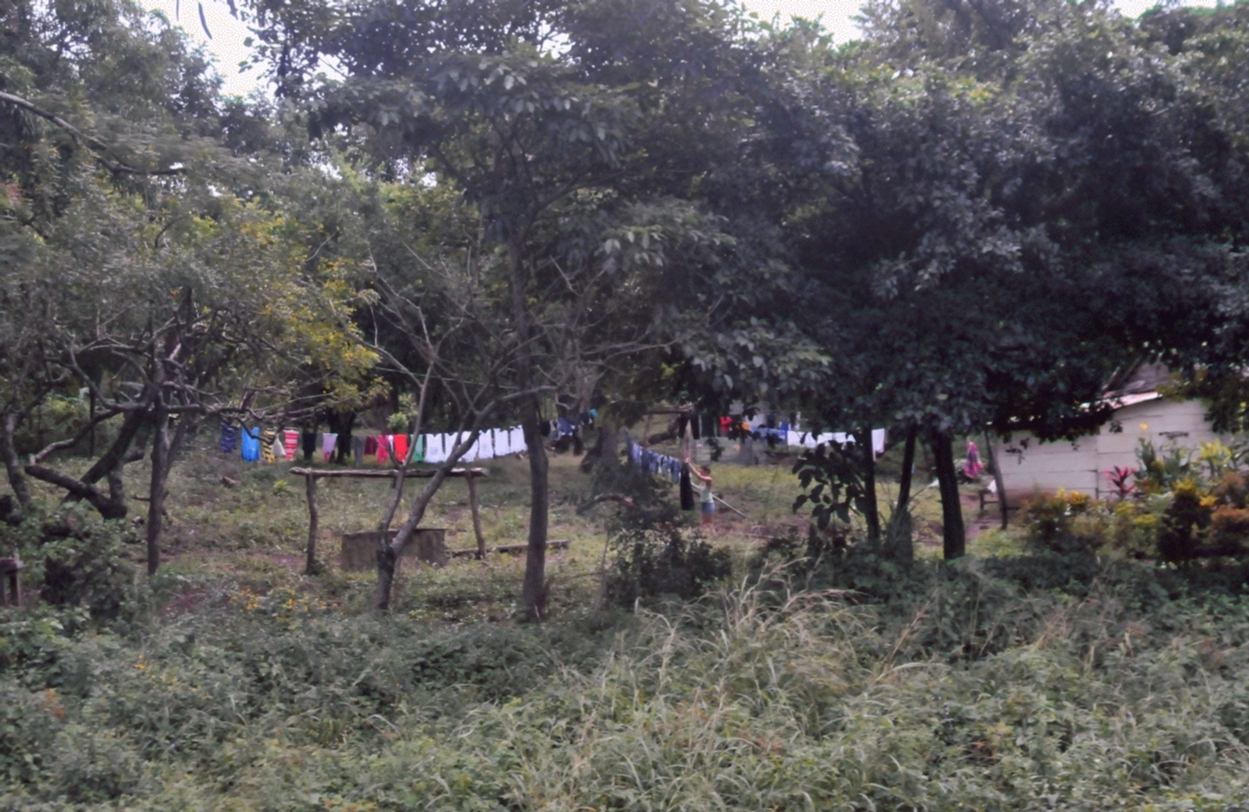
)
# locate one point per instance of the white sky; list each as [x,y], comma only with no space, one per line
[228,34]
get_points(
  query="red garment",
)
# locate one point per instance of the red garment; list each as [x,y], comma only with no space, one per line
[370,445]
[383,448]
[401,447]
[290,442]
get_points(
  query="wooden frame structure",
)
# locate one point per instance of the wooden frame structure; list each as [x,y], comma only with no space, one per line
[311,475]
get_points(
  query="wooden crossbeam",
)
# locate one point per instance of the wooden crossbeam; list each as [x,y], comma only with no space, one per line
[374,473]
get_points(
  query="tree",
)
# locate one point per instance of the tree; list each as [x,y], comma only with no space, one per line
[541,122]
[989,236]
[148,283]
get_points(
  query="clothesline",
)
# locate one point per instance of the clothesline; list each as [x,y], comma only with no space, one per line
[270,445]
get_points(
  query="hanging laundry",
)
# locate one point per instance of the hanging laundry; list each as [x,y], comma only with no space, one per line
[290,441]
[400,442]
[308,444]
[228,436]
[687,489]
[279,450]
[383,448]
[429,447]
[249,441]
[517,441]
[357,450]
[328,443]
[370,446]
[267,439]
[418,454]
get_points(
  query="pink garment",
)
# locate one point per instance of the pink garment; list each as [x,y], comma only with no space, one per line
[401,447]
[290,441]
[328,443]
[383,448]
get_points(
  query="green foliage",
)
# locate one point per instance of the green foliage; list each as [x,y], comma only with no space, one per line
[76,559]
[989,684]
[839,487]
[655,553]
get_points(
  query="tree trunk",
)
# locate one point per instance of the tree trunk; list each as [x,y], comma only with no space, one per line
[604,446]
[116,453]
[13,465]
[388,549]
[871,510]
[156,489]
[472,504]
[953,532]
[908,469]
[899,544]
[341,425]
[533,592]
[997,479]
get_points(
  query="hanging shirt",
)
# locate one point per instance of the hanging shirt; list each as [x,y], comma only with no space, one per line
[267,438]
[357,450]
[290,441]
[418,455]
[401,447]
[249,441]
[308,444]
[383,448]
[228,435]
[370,446]
[328,442]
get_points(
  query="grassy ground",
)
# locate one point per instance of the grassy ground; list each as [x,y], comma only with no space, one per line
[247,522]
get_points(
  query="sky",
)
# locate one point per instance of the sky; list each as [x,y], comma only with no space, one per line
[228,33]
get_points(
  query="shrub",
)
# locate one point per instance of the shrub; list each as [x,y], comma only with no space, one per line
[1068,522]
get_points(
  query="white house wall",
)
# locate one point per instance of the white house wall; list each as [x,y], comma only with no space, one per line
[1080,466]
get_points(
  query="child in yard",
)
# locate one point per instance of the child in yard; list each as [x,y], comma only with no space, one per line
[707,505]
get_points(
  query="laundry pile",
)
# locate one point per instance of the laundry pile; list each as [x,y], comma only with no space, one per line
[271,445]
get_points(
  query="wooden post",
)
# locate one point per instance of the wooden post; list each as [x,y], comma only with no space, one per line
[472,503]
[310,566]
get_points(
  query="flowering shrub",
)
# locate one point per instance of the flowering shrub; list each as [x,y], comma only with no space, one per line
[1177,506]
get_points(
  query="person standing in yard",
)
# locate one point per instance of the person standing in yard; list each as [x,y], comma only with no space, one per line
[707,506]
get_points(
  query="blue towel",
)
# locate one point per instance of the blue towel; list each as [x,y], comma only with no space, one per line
[251,444]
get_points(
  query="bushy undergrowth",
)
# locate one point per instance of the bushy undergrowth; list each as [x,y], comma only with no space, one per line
[989,685]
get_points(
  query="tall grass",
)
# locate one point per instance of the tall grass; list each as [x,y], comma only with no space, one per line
[981,694]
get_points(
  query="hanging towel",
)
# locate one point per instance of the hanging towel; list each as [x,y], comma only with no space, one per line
[250,444]
[267,438]
[519,444]
[290,441]
[401,447]
[357,450]
[418,455]
[370,446]
[383,448]
[308,444]
[228,435]
[328,442]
